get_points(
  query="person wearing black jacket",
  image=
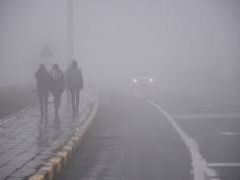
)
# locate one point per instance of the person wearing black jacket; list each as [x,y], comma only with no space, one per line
[75,84]
[57,86]
[43,87]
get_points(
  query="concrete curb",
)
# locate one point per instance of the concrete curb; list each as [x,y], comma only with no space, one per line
[56,164]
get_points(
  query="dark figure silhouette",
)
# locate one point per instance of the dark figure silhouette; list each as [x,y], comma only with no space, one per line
[75,84]
[68,68]
[43,88]
[57,86]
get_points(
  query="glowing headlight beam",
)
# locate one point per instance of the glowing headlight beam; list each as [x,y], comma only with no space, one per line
[135,80]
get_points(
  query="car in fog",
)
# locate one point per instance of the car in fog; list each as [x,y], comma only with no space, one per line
[143,82]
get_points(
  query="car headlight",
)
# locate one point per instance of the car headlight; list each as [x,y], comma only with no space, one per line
[135,80]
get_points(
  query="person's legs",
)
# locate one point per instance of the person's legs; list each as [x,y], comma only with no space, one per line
[45,102]
[40,96]
[59,100]
[77,99]
[68,94]
[73,99]
[56,103]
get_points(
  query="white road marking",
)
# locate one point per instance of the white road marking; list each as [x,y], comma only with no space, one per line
[204,116]
[7,120]
[226,133]
[201,170]
[23,110]
[229,133]
[223,164]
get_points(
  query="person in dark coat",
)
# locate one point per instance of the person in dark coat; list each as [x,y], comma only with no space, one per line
[75,84]
[57,86]
[43,87]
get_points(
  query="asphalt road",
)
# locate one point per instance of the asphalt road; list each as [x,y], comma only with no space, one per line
[130,140]
[212,119]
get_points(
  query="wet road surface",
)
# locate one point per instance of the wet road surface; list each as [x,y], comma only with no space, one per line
[213,121]
[130,140]
[27,140]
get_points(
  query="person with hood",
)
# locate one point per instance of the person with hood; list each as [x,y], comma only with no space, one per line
[57,86]
[43,87]
[75,84]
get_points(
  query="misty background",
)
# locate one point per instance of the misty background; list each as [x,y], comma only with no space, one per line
[181,43]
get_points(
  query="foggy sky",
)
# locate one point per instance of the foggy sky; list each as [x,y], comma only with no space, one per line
[173,39]
[26,27]
[178,40]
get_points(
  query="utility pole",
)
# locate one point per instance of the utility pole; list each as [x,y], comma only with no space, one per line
[70,29]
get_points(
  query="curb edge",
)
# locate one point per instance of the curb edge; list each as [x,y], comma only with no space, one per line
[56,164]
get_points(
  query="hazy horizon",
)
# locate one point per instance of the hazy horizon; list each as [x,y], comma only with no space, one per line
[177,41]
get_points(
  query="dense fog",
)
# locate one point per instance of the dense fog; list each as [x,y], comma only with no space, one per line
[31,32]
[180,43]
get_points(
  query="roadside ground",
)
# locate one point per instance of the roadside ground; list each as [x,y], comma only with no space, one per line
[27,141]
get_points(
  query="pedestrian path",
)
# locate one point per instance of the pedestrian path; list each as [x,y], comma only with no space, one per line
[27,141]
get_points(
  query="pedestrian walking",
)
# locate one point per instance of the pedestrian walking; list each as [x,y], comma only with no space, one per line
[68,93]
[57,86]
[75,84]
[43,87]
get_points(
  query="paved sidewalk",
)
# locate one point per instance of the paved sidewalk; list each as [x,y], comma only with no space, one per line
[26,141]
